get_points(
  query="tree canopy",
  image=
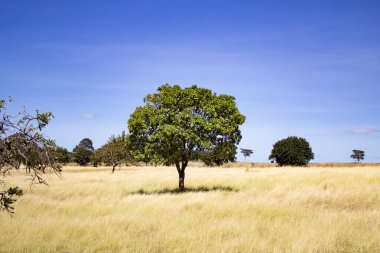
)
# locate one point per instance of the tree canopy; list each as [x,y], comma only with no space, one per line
[357,154]
[174,122]
[87,144]
[83,151]
[246,152]
[292,151]
[62,155]
[114,152]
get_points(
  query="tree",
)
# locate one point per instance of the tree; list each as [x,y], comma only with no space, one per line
[62,155]
[114,152]
[87,144]
[83,151]
[174,123]
[246,152]
[36,157]
[17,158]
[22,141]
[30,154]
[292,151]
[357,154]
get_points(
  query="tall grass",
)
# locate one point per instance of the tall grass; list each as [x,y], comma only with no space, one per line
[251,209]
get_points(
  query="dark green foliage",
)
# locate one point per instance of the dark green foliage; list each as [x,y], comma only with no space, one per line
[62,155]
[34,153]
[222,153]
[246,152]
[174,123]
[357,155]
[83,151]
[7,198]
[114,152]
[95,158]
[81,155]
[87,144]
[293,151]
[195,156]
[36,157]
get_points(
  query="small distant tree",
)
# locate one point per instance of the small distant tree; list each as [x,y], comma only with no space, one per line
[22,141]
[83,152]
[357,155]
[174,122]
[292,151]
[87,144]
[114,152]
[246,152]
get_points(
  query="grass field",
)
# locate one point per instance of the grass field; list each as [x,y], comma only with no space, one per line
[137,209]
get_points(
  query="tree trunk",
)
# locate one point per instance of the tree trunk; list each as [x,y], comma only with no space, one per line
[113,168]
[181,184]
[181,174]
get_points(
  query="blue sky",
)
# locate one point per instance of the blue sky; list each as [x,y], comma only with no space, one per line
[303,68]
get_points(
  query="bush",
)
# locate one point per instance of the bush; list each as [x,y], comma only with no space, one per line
[292,151]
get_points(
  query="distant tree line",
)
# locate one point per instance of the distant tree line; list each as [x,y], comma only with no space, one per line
[173,127]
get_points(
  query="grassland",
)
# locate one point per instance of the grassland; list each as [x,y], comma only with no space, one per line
[315,209]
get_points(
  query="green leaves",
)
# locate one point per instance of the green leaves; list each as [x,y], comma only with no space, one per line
[357,154]
[83,151]
[246,152]
[43,119]
[114,152]
[292,151]
[7,198]
[175,122]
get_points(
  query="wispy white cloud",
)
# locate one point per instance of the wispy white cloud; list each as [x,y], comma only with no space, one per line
[362,130]
[88,116]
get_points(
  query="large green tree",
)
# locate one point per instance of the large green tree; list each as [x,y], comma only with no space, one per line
[174,122]
[293,150]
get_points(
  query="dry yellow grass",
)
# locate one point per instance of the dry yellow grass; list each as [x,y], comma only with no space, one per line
[228,210]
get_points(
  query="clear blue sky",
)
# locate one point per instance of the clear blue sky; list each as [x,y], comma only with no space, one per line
[304,68]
